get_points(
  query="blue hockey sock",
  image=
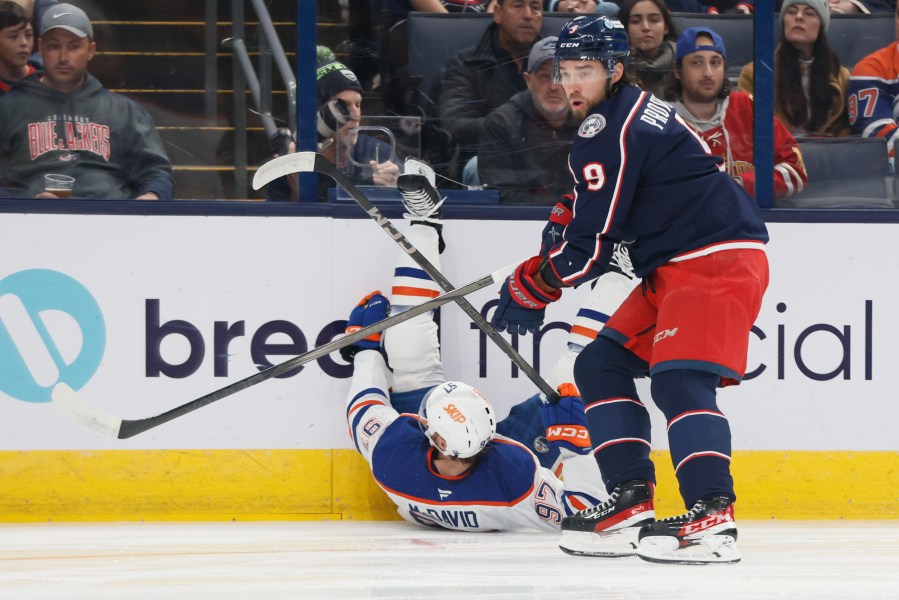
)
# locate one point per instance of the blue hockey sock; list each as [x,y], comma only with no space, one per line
[698,433]
[618,421]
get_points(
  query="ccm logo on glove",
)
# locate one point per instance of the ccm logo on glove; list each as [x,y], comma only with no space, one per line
[573,434]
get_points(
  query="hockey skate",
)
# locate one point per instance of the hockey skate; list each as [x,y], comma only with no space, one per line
[610,529]
[420,197]
[706,534]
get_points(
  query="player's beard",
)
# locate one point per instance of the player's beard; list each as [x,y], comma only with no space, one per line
[586,108]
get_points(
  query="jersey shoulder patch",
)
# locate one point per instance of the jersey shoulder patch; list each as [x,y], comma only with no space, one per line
[591,126]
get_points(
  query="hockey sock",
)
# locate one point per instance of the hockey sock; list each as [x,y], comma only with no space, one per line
[698,433]
[617,419]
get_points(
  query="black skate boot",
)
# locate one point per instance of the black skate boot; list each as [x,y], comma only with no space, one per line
[706,534]
[421,198]
[610,529]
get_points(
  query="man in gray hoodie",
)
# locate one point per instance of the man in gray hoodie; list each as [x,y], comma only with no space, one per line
[63,121]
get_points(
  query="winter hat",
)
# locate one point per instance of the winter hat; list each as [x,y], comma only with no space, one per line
[821,7]
[333,77]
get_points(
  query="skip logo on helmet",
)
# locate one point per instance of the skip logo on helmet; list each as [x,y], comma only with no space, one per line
[454,413]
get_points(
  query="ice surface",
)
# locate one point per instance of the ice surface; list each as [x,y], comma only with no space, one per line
[279,560]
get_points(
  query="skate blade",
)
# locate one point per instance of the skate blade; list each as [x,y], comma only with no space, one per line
[615,544]
[710,550]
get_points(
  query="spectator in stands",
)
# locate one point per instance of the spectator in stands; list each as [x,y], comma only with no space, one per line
[712,7]
[524,144]
[63,121]
[873,89]
[809,82]
[365,159]
[600,7]
[652,35]
[483,77]
[863,7]
[699,89]
[16,42]
[398,9]
[35,10]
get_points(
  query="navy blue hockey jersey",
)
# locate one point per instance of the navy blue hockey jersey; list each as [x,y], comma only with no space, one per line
[643,177]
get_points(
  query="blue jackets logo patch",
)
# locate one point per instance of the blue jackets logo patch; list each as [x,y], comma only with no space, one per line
[591,126]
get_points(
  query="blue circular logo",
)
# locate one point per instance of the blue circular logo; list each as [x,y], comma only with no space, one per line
[51,330]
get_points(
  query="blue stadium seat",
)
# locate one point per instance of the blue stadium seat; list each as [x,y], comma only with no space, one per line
[846,172]
[853,37]
[434,38]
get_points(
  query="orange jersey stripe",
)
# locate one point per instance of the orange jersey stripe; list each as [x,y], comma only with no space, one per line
[584,331]
[402,290]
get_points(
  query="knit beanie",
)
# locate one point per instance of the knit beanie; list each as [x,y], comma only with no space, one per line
[821,7]
[333,77]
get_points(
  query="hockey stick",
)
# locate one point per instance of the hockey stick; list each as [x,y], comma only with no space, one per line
[82,411]
[305,162]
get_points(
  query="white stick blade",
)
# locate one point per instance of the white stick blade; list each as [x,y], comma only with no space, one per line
[500,274]
[299,162]
[73,404]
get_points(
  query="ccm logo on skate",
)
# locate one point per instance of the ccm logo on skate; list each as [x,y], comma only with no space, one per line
[707,523]
[55,332]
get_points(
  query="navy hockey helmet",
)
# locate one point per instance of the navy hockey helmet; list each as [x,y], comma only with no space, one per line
[592,37]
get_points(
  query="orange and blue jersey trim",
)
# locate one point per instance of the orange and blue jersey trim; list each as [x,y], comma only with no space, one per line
[359,405]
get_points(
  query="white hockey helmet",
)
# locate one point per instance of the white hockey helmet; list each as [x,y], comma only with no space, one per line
[461,415]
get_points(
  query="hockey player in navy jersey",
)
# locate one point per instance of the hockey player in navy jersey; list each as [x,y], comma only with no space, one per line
[643,178]
[435,446]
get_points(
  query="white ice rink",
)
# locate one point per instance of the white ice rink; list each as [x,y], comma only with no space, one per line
[279,560]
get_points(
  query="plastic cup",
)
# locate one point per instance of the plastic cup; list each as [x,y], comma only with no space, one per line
[58,185]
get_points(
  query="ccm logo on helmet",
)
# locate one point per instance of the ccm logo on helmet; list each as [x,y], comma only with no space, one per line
[454,413]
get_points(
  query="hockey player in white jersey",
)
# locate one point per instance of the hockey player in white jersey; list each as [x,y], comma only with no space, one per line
[433,444]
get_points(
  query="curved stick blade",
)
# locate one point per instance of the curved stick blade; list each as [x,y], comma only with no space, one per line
[299,162]
[73,404]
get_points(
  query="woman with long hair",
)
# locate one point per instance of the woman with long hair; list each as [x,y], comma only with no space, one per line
[809,82]
[652,36]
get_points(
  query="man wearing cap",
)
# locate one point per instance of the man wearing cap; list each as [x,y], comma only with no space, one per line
[64,121]
[723,118]
[483,77]
[524,143]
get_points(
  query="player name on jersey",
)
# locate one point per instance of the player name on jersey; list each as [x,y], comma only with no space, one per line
[656,113]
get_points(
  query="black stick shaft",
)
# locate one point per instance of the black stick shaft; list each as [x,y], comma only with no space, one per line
[323,166]
[130,428]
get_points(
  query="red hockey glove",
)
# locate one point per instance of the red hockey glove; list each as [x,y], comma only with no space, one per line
[559,218]
[521,303]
